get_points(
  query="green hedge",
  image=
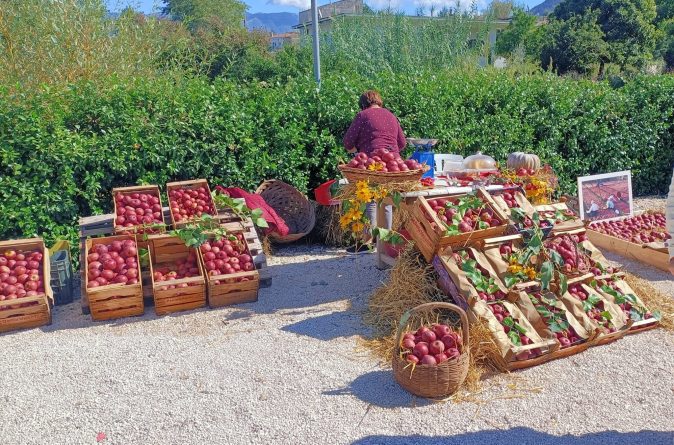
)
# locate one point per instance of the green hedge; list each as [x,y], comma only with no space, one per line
[61,152]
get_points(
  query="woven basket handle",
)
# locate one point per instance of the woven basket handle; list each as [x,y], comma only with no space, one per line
[436,305]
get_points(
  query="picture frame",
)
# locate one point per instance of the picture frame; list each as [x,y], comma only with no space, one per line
[606,196]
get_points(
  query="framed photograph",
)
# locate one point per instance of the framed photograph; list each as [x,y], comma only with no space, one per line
[604,197]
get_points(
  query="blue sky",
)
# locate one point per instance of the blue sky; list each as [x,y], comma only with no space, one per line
[409,6]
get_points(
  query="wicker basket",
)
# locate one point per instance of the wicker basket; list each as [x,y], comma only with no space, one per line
[291,205]
[355,174]
[432,381]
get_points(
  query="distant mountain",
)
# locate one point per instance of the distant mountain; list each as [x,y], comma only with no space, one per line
[276,22]
[544,8]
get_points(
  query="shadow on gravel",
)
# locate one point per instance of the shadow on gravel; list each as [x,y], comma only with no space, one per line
[526,436]
[329,326]
[297,287]
[378,388]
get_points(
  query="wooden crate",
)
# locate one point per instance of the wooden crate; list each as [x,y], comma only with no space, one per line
[566,226]
[114,300]
[646,254]
[102,225]
[430,236]
[166,249]
[38,314]
[227,293]
[186,185]
[138,230]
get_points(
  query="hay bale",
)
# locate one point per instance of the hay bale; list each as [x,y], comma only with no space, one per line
[413,282]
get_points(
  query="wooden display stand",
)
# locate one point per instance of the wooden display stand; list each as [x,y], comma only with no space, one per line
[39,314]
[643,253]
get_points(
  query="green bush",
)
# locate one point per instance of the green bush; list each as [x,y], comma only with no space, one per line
[62,151]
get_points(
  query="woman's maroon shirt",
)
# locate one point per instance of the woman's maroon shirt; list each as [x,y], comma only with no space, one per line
[375,128]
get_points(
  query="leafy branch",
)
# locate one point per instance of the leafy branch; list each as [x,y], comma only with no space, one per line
[198,231]
[239,207]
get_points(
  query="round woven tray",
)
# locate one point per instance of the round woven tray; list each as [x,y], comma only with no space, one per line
[432,381]
[356,174]
[291,205]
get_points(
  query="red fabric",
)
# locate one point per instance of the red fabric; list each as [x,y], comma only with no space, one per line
[323,195]
[253,201]
[375,128]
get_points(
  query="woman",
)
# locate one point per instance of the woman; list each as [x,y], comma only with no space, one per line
[374,127]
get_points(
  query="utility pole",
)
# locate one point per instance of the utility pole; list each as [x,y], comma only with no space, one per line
[317,53]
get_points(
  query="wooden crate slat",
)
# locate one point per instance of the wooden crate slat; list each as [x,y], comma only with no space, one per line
[164,310]
[25,321]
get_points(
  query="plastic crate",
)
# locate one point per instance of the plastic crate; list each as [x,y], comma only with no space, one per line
[61,277]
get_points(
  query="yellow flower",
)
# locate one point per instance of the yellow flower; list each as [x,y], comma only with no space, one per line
[530,272]
[344,221]
[515,268]
[364,195]
[358,227]
[513,260]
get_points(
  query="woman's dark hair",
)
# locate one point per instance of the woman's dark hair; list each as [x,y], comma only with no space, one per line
[369,98]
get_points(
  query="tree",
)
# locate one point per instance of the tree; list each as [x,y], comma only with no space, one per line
[229,13]
[576,44]
[627,26]
[521,32]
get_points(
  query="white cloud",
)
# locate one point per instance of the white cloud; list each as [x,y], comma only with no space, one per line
[299,4]
[462,5]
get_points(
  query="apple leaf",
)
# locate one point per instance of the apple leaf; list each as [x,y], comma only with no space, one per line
[556,258]
[482,225]
[587,306]
[636,315]
[547,270]
[511,280]
[520,328]
[514,337]
[508,321]
[606,315]
[563,283]
[397,198]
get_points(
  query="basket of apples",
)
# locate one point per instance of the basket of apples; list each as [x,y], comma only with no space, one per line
[382,167]
[433,360]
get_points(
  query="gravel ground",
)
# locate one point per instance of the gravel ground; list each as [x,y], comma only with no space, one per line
[284,370]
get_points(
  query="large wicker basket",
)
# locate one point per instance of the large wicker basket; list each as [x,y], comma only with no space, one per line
[355,174]
[291,205]
[432,381]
